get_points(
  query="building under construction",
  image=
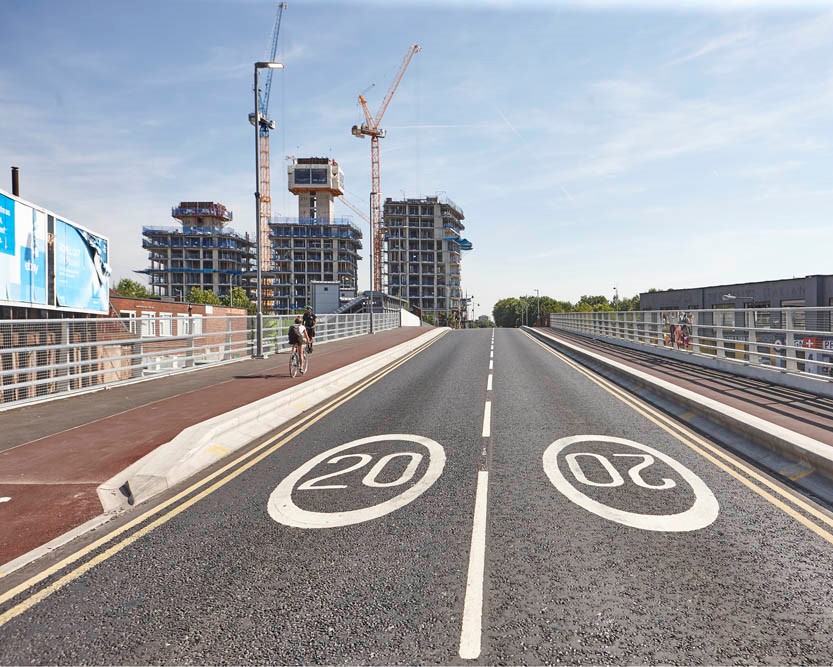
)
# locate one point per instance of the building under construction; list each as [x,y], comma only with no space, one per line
[315,246]
[424,246]
[202,253]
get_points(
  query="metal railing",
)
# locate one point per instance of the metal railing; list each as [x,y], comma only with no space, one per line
[44,359]
[790,340]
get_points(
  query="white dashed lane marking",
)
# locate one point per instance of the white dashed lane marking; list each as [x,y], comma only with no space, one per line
[487,420]
[473,607]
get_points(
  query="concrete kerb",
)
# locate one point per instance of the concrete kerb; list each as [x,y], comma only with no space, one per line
[203,444]
[790,444]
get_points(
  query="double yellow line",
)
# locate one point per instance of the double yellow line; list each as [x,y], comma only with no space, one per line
[172,507]
[777,495]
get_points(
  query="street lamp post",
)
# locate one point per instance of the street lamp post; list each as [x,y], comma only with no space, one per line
[616,298]
[372,247]
[538,307]
[258,288]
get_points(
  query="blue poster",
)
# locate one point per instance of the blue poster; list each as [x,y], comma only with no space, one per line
[6,225]
[82,275]
[23,251]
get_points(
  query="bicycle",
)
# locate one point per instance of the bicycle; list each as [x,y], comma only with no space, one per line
[295,366]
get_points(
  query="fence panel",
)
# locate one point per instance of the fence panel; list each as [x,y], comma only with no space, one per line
[791,340]
[42,359]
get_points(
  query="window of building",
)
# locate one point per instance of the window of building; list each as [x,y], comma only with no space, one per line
[148,325]
[799,316]
[165,320]
[724,315]
[130,316]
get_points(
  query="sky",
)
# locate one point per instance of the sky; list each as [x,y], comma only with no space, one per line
[591,145]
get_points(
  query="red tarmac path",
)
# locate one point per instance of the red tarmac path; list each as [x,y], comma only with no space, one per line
[54,455]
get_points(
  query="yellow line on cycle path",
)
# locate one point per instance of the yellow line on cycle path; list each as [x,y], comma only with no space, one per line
[292,431]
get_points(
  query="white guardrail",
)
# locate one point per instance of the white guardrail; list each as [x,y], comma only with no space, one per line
[42,359]
[796,341]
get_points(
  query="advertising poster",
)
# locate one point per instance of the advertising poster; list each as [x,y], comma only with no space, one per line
[23,249]
[82,275]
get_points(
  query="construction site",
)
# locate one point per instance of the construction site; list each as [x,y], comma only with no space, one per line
[414,246]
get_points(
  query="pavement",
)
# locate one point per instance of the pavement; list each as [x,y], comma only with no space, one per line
[55,455]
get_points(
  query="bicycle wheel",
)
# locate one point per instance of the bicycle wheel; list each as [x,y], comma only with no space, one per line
[293,364]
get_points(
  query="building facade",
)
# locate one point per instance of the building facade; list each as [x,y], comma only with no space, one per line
[424,247]
[315,246]
[203,252]
[810,291]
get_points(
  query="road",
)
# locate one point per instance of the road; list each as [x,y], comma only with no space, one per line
[478,503]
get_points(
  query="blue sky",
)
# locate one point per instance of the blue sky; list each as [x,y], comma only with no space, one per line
[590,144]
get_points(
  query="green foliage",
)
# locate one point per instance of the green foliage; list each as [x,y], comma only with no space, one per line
[515,311]
[239,299]
[629,304]
[506,312]
[204,296]
[587,302]
[131,288]
[428,318]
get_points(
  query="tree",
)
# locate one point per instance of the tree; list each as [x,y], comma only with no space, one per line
[506,312]
[197,295]
[590,303]
[131,288]
[239,299]
[629,304]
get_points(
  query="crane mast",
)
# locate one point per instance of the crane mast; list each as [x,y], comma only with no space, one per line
[265,125]
[371,129]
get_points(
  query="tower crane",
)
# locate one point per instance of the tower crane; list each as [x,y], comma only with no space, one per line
[265,125]
[354,208]
[371,129]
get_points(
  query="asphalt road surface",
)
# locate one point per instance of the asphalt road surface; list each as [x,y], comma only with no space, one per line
[479,503]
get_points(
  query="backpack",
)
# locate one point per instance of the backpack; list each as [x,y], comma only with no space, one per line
[294,334]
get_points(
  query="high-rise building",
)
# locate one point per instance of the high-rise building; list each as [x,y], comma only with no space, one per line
[315,246]
[424,246]
[202,253]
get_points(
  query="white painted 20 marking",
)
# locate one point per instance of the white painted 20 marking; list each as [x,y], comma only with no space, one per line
[702,512]
[283,509]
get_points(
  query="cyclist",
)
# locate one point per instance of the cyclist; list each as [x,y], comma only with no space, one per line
[298,338]
[309,325]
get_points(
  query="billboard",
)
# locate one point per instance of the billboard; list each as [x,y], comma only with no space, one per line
[23,253]
[81,269]
[49,262]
